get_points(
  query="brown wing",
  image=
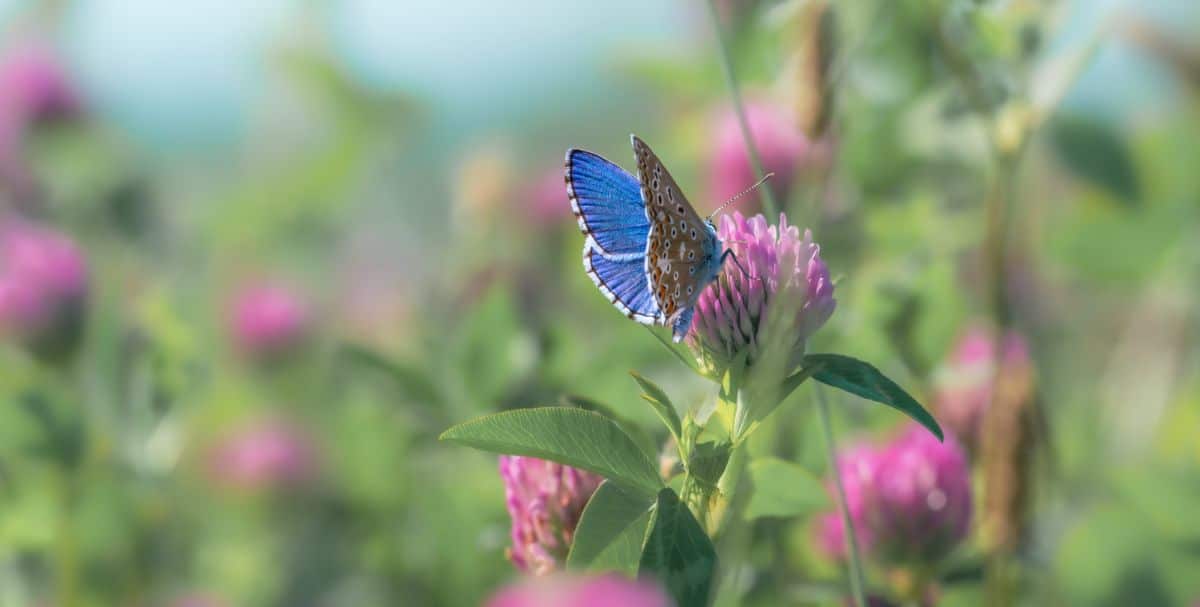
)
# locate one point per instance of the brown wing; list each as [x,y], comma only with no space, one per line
[678,254]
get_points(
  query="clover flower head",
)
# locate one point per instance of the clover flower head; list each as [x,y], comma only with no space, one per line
[545,500]
[781,147]
[268,320]
[572,591]
[778,267]
[43,288]
[964,384]
[857,466]
[920,507]
[36,85]
[263,454]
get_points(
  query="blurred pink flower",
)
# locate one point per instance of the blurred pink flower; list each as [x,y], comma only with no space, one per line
[857,465]
[268,321]
[965,382]
[264,454]
[920,508]
[43,288]
[545,500]
[909,500]
[36,86]
[36,89]
[781,147]
[545,200]
[570,591]
[198,600]
[731,315]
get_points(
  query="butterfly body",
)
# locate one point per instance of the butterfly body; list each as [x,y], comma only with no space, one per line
[645,247]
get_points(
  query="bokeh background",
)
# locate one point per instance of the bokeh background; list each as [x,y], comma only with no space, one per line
[284,244]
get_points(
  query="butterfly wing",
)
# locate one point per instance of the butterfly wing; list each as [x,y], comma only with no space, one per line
[682,250]
[624,284]
[607,202]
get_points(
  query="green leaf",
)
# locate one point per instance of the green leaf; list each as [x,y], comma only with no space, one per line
[863,379]
[640,436]
[611,531]
[1096,153]
[707,461]
[576,438]
[783,489]
[794,380]
[661,404]
[678,553]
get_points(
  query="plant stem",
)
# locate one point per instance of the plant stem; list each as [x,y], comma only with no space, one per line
[65,546]
[856,579]
[769,204]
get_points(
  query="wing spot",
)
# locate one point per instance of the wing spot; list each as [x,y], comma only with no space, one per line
[690,288]
[675,276]
[691,255]
[674,233]
[679,209]
[682,225]
[654,184]
[692,271]
[693,234]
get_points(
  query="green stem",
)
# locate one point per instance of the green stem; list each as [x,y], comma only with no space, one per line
[856,572]
[66,553]
[769,204]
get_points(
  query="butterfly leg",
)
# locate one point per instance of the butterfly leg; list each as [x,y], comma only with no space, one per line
[730,253]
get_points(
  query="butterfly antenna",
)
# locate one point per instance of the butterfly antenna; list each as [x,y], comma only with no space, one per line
[740,194]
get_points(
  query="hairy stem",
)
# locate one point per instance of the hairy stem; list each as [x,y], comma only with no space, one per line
[856,572]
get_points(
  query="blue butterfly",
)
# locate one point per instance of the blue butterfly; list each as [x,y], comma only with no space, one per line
[646,248]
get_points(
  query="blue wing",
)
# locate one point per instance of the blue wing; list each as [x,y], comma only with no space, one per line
[624,284]
[607,202]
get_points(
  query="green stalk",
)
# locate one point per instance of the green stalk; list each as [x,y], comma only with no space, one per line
[856,579]
[66,549]
[769,204]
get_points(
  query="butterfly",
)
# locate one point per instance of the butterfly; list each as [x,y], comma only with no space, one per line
[645,247]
